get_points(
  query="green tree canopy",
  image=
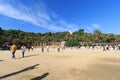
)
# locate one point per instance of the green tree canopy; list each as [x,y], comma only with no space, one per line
[72,43]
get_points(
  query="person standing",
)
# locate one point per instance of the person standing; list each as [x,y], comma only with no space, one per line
[47,48]
[28,48]
[32,48]
[93,46]
[42,49]
[58,49]
[13,49]
[23,48]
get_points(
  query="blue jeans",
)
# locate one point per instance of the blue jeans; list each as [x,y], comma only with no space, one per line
[23,54]
[13,54]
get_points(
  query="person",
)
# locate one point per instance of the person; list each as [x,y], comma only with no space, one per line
[13,49]
[28,49]
[104,47]
[107,47]
[42,49]
[118,46]
[58,49]
[23,48]
[32,48]
[47,48]
[93,46]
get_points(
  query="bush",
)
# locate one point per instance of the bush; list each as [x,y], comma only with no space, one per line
[72,43]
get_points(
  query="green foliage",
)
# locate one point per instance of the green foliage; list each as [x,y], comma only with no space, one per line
[29,38]
[1,31]
[72,43]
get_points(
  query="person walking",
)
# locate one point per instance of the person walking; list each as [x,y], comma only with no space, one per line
[13,49]
[23,48]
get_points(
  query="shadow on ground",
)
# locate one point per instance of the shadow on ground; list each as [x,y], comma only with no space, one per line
[18,72]
[1,60]
[41,77]
[28,56]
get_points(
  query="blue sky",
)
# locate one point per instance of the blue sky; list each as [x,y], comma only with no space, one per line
[60,15]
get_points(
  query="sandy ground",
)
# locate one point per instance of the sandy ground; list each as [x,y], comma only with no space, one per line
[75,64]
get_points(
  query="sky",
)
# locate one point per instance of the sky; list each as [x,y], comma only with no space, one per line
[60,15]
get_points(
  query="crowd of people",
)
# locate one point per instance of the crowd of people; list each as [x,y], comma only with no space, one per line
[23,48]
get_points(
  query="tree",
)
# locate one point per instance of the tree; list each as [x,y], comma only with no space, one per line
[72,43]
[36,39]
[1,31]
[111,37]
[81,32]
[97,36]
[1,34]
